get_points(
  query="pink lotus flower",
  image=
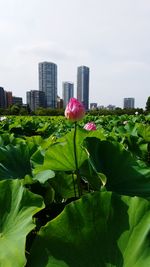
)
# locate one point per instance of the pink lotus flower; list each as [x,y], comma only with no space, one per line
[90,126]
[75,110]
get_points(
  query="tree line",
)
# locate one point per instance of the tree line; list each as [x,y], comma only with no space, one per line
[25,110]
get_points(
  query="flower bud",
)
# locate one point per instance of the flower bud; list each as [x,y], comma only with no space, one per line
[75,110]
[90,126]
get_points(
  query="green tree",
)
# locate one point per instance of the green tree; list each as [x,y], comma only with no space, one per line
[40,111]
[23,111]
[148,104]
[14,110]
[2,111]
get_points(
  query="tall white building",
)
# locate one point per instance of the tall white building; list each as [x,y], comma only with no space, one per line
[67,92]
[128,102]
[48,82]
[83,85]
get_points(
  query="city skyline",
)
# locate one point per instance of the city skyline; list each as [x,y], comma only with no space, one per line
[47,92]
[111,37]
[60,92]
[36,98]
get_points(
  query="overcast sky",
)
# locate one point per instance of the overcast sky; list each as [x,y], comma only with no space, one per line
[111,37]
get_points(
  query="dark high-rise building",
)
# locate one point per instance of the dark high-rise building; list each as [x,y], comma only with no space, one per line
[35,99]
[128,102]
[2,98]
[48,82]
[9,98]
[68,92]
[28,98]
[83,85]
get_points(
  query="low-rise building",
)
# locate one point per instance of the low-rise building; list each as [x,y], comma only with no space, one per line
[17,100]
[93,105]
[35,99]
[111,107]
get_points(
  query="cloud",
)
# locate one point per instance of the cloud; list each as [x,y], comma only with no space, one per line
[53,51]
[111,37]
[45,49]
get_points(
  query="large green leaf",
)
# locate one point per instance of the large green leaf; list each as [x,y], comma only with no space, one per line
[124,174]
[17,206]
[64,184]
[144,131]
[43,176]
[89,173]
[100,229]
[60,156]
[14,161]
[6,139]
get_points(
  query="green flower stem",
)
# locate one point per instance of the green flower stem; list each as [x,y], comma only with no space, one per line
[76,162]
[148,151]
[74,185]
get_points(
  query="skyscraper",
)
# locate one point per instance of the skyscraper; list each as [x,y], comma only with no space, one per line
[48,82]
[9,98]
[68,92]
[2,97]
[128,102]
[83,85]
[35,99]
